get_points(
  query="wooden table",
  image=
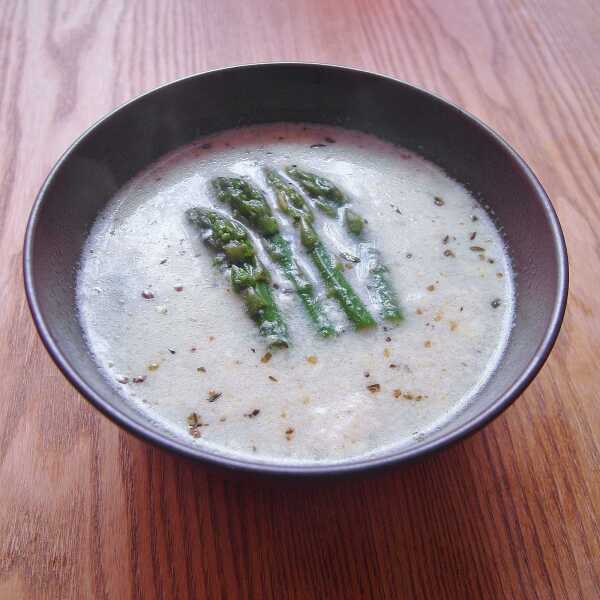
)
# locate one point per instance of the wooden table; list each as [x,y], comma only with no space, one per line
[87,511]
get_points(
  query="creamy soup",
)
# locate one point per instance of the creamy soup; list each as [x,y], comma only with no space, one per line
[167,329]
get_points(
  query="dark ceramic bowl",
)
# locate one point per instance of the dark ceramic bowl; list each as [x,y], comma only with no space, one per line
[138,133]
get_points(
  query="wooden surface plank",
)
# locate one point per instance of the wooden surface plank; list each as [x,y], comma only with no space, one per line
[87,511]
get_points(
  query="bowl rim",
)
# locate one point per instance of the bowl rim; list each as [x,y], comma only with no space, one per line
[144,432]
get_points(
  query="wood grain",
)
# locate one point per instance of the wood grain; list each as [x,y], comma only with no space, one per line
[87,511]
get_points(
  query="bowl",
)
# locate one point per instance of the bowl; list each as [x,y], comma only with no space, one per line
[127,140]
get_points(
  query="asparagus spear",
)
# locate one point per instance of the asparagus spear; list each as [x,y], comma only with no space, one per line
[249,277]
[321,190]
[384,290]
[326,195]
[334,278]
[293,205]
[248,202]
[289,200]
[353,222]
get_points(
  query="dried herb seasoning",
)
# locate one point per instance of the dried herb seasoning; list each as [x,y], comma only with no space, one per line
[194,422]
[213,395]
[349,257]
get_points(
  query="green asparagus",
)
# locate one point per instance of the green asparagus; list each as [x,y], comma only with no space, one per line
[289,200]
[327,197]
[336,283]
[353,222]
[249,203]
[324,191]
[293,205]
[384,290]
[249,277]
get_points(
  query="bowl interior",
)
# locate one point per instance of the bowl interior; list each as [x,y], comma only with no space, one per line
[140,132]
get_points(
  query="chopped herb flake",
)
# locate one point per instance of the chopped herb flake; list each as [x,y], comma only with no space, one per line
[194,422]
[212,395]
